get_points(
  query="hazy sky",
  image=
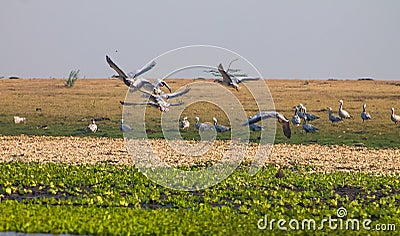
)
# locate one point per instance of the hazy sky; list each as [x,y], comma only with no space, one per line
[283,39]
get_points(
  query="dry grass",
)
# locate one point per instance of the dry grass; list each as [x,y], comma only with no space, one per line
[93,97]
[67,111]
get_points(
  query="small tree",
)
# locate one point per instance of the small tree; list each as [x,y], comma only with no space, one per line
[73,76]
[231,72]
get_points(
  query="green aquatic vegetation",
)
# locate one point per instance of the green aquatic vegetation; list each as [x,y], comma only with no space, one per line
[115,199]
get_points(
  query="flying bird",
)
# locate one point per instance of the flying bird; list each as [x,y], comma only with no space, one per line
[120,72]
[364,114]
[342,113]
[232,81]
[271,114]
[143,70]
[138,83]
[256,127]
[220,128]
[158,100]
[135,83]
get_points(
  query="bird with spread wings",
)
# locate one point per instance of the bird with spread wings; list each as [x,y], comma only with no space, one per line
[132,81]
[262,115]
[231,80]
[159,100]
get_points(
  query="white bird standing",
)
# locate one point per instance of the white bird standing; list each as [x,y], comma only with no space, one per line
[220,128]
[342,113]
[185,124]
[332,118]
[203,126]
[296,118]
[271,114]
[365,115]
[394,118]
[19,120]
[93,126]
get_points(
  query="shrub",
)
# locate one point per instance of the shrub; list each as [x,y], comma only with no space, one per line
[73,76]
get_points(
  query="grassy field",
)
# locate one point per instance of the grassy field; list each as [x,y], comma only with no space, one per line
[68,111]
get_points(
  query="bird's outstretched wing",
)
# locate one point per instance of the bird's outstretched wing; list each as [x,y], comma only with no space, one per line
[225,77]
[144,69]
[271,114]
[160,82]
[262,115]
[243,79]
[121,73]
[176,94]
[176,104]
[285,125]
[138,103]
[146,92]
[138,83]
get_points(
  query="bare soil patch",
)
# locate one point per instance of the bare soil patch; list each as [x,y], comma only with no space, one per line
[78,150]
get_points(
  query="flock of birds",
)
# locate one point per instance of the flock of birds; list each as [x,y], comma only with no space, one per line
[157,98]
